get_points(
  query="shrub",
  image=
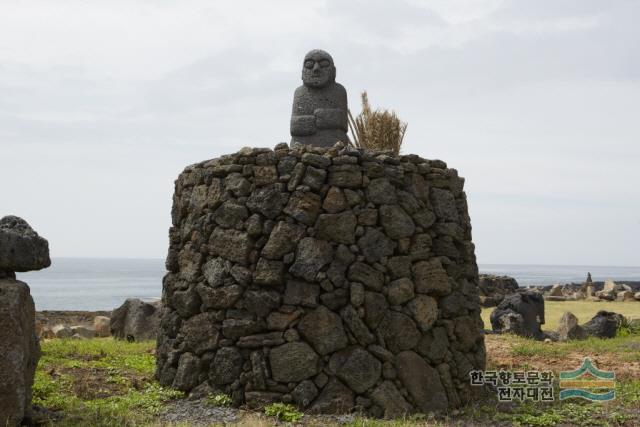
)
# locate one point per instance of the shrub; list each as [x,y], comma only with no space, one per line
[379,130]
[283,411]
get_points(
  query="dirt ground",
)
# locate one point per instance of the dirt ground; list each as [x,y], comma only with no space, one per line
[499,355]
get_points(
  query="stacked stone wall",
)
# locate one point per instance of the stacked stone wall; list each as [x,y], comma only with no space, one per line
[336,279]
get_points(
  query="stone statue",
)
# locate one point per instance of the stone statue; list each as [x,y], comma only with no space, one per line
[319,115]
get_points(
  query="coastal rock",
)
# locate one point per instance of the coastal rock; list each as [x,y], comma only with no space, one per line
[568,328]
[136,320]
[20,351]
[101,326]
[21,248]
[521,314]
[603,325]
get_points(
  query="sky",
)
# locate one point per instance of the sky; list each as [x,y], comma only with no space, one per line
[535,103]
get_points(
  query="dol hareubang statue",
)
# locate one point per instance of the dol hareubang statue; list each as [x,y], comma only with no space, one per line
[319,115]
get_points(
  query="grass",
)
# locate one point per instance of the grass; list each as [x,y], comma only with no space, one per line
[99,382]
[103,382]
[583,310]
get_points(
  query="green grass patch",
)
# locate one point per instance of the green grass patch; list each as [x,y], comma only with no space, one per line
[583,310]
[99,382]
[284,412]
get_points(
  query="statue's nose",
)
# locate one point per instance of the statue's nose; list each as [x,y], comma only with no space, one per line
[316,67]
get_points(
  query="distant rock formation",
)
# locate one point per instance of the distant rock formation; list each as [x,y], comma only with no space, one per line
[520,314]
[494,288]
[136,320]
[21,249]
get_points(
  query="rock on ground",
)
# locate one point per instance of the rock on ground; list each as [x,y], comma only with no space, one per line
[20,351]
[521,313]
[136,320]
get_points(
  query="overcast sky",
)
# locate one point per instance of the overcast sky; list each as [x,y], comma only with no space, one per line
[536,103]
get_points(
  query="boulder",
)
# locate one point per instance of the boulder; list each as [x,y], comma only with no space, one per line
[83,331]
[625,296]
[556,290]
[62,331]
[604,324]
[101,326]
[136,320]
[21,248]
[520,313]
[19,351]
[494,288]
[568,328]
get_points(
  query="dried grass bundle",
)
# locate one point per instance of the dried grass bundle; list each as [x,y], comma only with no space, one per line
[379,130]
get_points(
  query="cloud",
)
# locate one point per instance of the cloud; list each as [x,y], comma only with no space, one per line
[104,103]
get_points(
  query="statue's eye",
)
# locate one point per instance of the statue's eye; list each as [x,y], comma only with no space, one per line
[308,64]
[324,63]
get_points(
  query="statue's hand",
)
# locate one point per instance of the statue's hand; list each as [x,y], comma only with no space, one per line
[303,125]
[331,118]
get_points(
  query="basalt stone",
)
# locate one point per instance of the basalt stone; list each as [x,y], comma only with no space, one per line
[396,222]
[431,278]
[400,291]
[226,366]
[267,201]
[323,329]
[434,344]
[268,339]
[399,331]
[20,351]
[230,214]
[268,272]
[336,271]
[424,311]
[304,207]
[337,227]
[188,371]
[380,191]
[261,303]
[358,369]
[215,270]
[236,328]
[368,276]
[314,178]
[444,205]
[422,381]
[200,333]
[387,396]
[233,245]
[136,320]
[357,326]
[336,278]
[304,393]
[311,255]
[21,248]
[334,201]
[375,245]
[282,240]
[219,298]
[375,308]
[293,362]
[348,176]
[301,293]
[335,398]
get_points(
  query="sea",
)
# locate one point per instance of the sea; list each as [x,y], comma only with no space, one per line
[92,284]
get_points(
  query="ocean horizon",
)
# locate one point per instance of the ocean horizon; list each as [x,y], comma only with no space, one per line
[92,284]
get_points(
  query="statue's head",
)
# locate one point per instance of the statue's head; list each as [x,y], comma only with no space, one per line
[318,69]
